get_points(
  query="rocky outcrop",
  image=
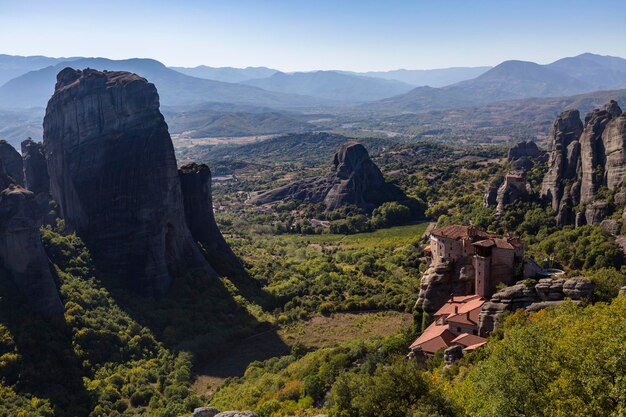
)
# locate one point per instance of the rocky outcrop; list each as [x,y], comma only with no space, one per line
[353,180]
[113,174]
[563,159]
[12,165]
[441,280]
[205,412]
[36,177]
[596,212]
[22,253]
[532,297]
[583,160]
[513,188]
[522,157]
[524,149]
[452,354]
[491,196]
[611,226]
[237,414]
[195,181]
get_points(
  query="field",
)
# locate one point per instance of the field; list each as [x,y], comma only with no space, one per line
[382,238]
[318,332]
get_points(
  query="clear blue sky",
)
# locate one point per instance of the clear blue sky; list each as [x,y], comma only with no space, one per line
[315,34]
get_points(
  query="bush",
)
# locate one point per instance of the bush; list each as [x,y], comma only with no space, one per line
[390,214]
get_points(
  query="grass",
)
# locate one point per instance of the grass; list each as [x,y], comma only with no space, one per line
[391,237]
[321,331]
[315,333]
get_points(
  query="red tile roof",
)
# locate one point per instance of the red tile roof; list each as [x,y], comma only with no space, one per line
[456,301]
[474,347]
[460,232]
[466,339]
[434,338]
[462,309]
[499,243]
[468,312]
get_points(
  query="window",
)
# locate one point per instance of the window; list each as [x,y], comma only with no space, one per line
[474,332]
[458,329]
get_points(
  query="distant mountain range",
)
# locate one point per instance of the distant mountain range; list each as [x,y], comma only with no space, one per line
[12,66]
[280,102]
[34,88]
[515,80]
[331,85]
[227,74]
[433,77]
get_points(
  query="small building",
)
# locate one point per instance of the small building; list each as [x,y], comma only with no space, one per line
[456,323]
[493,258]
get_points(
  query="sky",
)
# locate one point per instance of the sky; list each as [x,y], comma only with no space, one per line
[303,35]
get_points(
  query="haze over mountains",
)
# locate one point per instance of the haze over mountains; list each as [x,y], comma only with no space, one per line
[517,80]
[208,102]
[227,74]
[331,85]
[33,88]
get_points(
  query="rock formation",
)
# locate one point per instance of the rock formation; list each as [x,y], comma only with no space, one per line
[521,157]
[36,177]
[113,174]
[583,160]
[564,151]
[353,180]
[21,252]
[195,181]
[205,412]
[452,354]
[512,189]
[545,293]
[11,163]
[443,279]
[524,149]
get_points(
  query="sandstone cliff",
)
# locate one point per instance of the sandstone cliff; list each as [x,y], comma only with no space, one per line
[354,180]
[195,181]
[441,280]
[545,293]
[513,188]
[36,177]
[113,174]
[11,162]
[564,151]
[521,158]
[21,252]
[583,160]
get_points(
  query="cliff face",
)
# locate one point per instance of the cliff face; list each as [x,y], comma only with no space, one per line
[21,252]
[441,280]
[584,159]
[545,293]
[521,157]
[354,179]
[195,181]
[12,166]
[113,174]
[36,177]
[564,151]
[512,189]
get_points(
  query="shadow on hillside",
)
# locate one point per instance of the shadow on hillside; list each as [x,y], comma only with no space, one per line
[200,315]
[48,366]
[233,357]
